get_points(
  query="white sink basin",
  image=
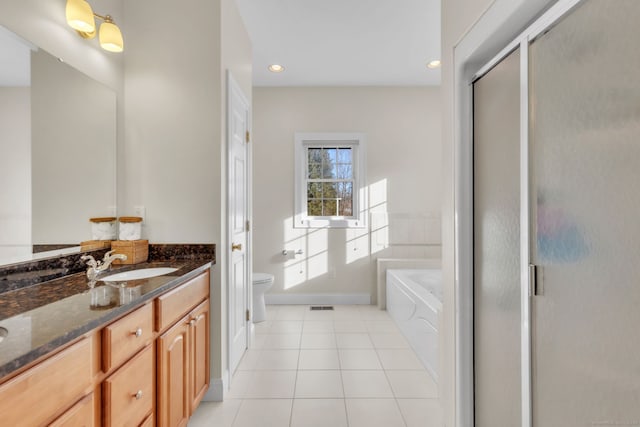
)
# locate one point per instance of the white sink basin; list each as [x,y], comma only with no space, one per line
[143,273]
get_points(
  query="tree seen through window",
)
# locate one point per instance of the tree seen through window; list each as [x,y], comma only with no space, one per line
[330,181]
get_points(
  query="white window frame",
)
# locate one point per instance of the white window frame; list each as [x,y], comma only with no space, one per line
[331,139]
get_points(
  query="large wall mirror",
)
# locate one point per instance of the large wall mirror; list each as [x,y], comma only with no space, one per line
[57,152]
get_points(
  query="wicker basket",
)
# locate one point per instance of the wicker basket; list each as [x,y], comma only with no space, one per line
[137,251]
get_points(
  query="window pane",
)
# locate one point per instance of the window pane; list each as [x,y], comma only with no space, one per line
[329,163]
[315,170]
[314,190]
[314,155]
[314,208]
[345,193]
[330,208]
[344,172]
[329,190]
[344,155]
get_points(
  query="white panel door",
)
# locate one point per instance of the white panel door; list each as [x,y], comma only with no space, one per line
[238,291]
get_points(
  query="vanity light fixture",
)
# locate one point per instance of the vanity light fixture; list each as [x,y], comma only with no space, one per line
[276,68]
[81,18]
[434,64]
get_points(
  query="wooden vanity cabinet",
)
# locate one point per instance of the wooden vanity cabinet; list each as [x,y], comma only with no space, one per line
[183,352]
[80,415]
[149,366]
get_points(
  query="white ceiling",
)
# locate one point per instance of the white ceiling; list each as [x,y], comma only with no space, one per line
[343,42]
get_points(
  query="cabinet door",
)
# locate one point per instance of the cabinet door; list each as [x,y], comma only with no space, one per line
[173,375]
[80,415]
[199,336]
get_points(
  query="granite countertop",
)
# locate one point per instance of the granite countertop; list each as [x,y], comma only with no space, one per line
[42,317]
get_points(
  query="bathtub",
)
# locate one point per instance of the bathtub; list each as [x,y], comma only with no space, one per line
[414,301]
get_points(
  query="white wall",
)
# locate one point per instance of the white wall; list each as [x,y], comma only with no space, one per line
[402,127]
[174,159]
[15,171]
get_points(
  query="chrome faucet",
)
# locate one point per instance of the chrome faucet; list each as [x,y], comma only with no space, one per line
[97,267]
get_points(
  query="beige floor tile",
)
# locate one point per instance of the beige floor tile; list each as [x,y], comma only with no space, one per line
[412,384]
[319,384]
[277,360]
[389,340]
[381,326]
[258,341]
[263,413]
[421,412]
[353,341]
[359,359]
[222,412]
[316,341]
[318,359]
[319,413]
[349,326]
[319,315]
[399,359]
[271,385]
[366,384]
[286,327]
[281,341]
[239,384]
[249,360]
[317,326]
[262,327]
[373,413]
[286,313]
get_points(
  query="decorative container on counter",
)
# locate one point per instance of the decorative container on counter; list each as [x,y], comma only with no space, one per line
[103,228]
[130,228]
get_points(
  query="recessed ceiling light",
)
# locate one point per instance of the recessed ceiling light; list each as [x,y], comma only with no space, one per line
[276,68]
[434,64]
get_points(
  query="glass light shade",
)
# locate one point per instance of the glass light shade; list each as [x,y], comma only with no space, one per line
[111,37]
[80,16]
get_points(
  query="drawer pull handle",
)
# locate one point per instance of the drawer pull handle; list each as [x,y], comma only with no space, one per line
[137,333]
[138,395]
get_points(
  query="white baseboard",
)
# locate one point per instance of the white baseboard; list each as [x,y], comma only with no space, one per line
[217,389]
[320,299]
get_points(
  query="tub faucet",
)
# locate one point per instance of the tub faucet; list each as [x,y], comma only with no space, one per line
[97,267]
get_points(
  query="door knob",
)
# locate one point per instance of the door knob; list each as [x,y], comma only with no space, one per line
[236,246]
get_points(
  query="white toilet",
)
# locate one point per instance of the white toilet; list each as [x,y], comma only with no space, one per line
[261,283]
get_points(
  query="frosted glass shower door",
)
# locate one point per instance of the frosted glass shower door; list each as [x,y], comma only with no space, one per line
[585,145]
[496,217]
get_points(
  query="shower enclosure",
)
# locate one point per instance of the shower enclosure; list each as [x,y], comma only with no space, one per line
[556,236]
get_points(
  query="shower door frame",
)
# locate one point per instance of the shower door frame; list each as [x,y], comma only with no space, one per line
[468,53]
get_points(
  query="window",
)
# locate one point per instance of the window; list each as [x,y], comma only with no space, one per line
[329,180]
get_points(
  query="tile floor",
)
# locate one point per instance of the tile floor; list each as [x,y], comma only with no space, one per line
[345,368]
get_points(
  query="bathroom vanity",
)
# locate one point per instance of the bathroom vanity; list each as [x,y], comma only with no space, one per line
[132,353]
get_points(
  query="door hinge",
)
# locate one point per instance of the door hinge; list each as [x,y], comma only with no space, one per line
[247,226]
[248,137]
[535,280]
[248,315]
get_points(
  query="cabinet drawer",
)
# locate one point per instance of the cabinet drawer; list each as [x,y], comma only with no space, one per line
[39,394]
[173,305]
[125,337]
[129,393]
[80,415]
[149,422]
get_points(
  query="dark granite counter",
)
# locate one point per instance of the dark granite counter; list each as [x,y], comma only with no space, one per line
[45,316]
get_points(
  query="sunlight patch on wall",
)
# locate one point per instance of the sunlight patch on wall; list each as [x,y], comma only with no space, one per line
[312,262]
[379,220]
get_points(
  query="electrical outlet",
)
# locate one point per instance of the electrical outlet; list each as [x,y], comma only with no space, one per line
[140,211]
